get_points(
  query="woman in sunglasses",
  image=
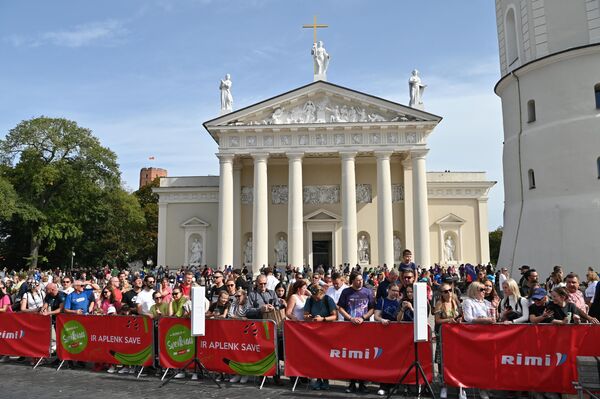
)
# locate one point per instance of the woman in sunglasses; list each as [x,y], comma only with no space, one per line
[33,300]
[447,310]
[239,306]
[107,299]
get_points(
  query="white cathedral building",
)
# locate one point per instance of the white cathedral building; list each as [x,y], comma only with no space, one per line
[550,91]
[323,175]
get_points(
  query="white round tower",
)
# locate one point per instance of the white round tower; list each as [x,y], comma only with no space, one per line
[550,91]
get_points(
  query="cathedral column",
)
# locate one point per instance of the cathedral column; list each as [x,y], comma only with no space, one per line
[295,207]
[349,234]
[409,230]
[421,210]
[225,244]
[385,220]
[237,215]
[260,217]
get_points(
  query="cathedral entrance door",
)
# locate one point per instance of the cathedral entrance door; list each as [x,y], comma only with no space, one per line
[321,250]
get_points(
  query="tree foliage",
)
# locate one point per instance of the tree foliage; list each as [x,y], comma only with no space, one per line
[66,193]
[149,238]
[495,237]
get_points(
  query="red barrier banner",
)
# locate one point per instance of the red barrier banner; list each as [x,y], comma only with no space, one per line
[25,334]
[245,347]
[175,342]
[105,339]
[343,351]
[539,358]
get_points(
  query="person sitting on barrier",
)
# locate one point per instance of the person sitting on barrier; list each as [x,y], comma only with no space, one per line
[33,300]
[447,310]
[296,300]
[565,312]
[219,309]
[319,307]
[80,301]
[239,306]
[476,310]
[514,308]
[356,304]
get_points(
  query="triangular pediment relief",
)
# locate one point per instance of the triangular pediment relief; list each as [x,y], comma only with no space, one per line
[322,103]
[194,222]
[451,219]
[322,215]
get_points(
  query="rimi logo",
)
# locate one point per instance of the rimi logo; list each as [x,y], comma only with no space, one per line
[366,354]
[545,360]
[17,334]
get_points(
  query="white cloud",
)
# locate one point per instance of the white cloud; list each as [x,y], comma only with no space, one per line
[106,32]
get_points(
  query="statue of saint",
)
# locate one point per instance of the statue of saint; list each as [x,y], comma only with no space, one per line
[416,88]
[320,58]
[449,249]
[397,249]
[196,255]
[363,249]
[281,250]
[248,252]
[226,98]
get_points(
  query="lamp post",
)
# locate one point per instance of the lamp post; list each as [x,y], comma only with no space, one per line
[72,256]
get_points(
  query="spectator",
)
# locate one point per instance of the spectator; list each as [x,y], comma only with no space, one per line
[130,297]
[408,278]
[230,288]
[179,307]
[5,302]
[219,308]
[187,284]
[575,295]
[592,281]
[513,307]
[33,300]
[530,283]
[447,310]
[490,294]
[555,279]
[166,291]
[114,285]
[80,301]
[356,304]
[524,271]
[337,286]
[123,283]
[407,262]
[382,288]
[272,281]
[319,308]
[538,311]
[565,312]
[239,306]
[261,300]
[407,312]
[217,288]
[296,300]
[107,300]
[280,293]
[386,309]
[316,278]
[160,307]
[144,299]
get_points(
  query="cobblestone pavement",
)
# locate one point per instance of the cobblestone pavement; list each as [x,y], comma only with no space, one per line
[19,380]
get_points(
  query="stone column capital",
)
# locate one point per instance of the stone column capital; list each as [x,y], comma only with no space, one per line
[260,156]
[225,157]
[419,154]
[294,156]
[383,154]
[348,154]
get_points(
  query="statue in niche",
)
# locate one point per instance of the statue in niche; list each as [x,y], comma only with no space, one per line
[416,89]
[397,249]
[281,250]
[226,97]
[320,58]
[196,252]
[449,247]
[248,252]
[363,249]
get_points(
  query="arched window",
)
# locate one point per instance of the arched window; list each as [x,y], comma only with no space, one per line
[510,32]
[531,175]
[531,111]
[597,93]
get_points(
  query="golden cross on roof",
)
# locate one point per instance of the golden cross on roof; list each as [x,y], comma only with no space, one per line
[315,26]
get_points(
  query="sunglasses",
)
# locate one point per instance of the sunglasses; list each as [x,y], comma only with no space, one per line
[66,281]
[231,285]
[218,276]
[445,291]
[157,297]
[106,292]
[176,293]
[481,289]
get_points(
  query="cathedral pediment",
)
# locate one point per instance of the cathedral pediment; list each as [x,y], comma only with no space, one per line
[321,103]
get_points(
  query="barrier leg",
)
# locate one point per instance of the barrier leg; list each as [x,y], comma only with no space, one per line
[165,374]
[295,383]
[38,362]
[140,373]
[263,382]
[60,365]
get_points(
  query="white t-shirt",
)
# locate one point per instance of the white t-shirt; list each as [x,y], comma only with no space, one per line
[34,300]
[590,291]
[144,298]
[335,295]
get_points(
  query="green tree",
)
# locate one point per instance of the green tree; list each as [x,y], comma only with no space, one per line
[58,171]
[495,237]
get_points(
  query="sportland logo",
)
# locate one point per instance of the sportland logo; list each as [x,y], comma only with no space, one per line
[356,354]
[17,334]
[545,361]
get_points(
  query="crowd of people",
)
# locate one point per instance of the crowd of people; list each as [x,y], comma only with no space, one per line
[465,294]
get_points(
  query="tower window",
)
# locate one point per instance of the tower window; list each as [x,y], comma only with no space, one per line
[597,92]
[510,29]
[531,175]
[531,111]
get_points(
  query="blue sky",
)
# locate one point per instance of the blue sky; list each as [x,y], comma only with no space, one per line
[144,75]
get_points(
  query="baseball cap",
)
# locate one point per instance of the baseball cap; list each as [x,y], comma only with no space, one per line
[111,310]
[539,293]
